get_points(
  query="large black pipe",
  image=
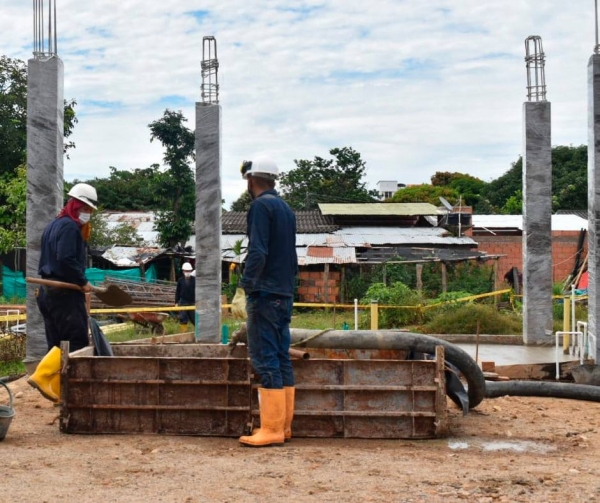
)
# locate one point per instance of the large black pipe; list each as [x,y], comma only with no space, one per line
[403,341]
[543,389]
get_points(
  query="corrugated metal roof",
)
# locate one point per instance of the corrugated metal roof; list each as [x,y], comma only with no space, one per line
[129,256]
[373,209]
[559,222]
[322,255]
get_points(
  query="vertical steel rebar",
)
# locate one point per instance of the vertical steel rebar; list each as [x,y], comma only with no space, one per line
[44,43]
[210,72]
[597,46]
[535,61]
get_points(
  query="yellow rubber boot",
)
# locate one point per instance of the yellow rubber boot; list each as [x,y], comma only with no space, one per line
[272,419]
[290,398]
[183,327]
[46,378]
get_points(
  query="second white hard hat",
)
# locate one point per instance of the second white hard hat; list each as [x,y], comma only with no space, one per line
[84,193]
[262,167]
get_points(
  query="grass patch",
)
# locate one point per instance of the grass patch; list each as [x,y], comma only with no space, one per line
[463,320]
[11,368]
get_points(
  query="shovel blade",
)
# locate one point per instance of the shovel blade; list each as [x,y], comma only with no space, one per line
[113,296]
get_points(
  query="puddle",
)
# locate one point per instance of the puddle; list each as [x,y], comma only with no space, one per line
[501,445]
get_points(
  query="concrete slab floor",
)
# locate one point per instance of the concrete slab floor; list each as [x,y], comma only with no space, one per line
[503,354]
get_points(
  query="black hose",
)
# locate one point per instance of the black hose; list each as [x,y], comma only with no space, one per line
[407,341]
[543,389]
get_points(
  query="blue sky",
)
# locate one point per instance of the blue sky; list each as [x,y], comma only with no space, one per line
[416,87]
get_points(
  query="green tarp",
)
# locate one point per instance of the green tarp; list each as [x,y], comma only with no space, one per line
[15,288]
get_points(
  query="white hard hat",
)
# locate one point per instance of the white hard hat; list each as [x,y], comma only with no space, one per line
[186,267]
[262,167]
[84,193]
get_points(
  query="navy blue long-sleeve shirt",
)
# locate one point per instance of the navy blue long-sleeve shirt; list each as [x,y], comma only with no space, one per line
[62,255]
[271,262]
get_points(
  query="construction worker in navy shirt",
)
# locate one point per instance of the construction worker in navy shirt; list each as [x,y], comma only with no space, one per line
[185,295]
[269,280]
[63,258]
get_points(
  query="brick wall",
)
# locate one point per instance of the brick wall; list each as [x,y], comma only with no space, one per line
[564,248]
[312,286]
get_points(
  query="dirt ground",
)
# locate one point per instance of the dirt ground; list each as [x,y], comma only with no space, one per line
[508,449]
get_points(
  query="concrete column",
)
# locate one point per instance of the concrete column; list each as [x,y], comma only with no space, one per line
[45,126]
[537,231]
[208,222]
[593,195]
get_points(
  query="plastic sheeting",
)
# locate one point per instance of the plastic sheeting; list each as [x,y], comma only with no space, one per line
[13,284]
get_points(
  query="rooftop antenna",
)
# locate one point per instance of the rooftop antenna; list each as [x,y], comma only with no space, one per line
[597,46]
[210,72]
[535,63]
[44,29]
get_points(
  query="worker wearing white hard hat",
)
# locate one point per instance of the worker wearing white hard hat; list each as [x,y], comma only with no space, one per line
[185,295]
[269,281]
[63,258]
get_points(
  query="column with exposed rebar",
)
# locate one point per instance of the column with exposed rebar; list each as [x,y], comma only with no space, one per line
[594,189]
[208,199]
[45,126]
[537,200]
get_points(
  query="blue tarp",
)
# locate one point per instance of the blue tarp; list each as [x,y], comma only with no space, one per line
[13,284]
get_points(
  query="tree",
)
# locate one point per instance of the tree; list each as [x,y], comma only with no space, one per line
[13,117]
[337,180]
[129,190]
[425,193]
[176,186]
[569,181]
[242,203]
[12,212]
[468,187]
[123,234]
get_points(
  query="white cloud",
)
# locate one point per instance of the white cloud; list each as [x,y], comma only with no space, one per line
[414,86]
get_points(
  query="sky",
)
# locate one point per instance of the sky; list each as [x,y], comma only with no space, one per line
[416,87]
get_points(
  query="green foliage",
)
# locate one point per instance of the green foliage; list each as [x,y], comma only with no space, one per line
[128,190]
[467,186]
[123,234]
[336,180]
[425,193]
[464,318]
[396,294]
[514,204]
[13,206]
[470,277]
[13,116]
[175,187]
[242,203]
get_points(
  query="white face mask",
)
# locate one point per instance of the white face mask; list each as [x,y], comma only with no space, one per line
[84,218]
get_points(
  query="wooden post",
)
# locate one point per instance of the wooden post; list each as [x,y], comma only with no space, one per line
[444,279]
[420,278]
[374,315]
[326,284]
[495,269]
[343,285]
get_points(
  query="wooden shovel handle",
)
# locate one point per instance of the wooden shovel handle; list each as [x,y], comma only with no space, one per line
[56,284]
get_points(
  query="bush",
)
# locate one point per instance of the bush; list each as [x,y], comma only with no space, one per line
[397,294]
[463,320]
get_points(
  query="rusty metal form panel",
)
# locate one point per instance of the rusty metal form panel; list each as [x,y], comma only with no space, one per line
[368,398]
[201,389]
[178,396]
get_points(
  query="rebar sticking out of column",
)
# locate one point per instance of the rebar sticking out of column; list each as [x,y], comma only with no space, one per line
[210,72]
[597,46]
[44,36]
[535,61]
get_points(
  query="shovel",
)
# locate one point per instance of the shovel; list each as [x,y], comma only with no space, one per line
[111,295]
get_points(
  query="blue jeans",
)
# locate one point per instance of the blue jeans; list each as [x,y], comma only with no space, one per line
[268,324]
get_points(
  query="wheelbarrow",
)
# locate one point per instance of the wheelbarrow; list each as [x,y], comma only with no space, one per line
[151,320]
[6,413]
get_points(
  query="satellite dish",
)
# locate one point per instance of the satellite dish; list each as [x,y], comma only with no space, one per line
[448,206]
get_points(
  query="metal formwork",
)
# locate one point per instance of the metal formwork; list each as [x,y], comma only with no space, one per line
[198,389]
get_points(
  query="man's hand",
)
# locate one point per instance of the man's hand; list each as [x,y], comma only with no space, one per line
[87,288]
